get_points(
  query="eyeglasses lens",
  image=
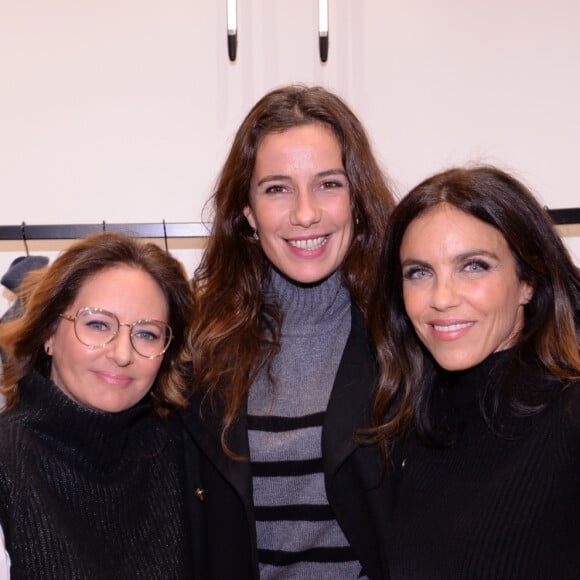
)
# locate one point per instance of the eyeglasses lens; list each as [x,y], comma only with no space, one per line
[150,338]
[95,328]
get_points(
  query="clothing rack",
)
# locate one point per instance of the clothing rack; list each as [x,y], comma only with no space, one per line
[166,230]
[565,216]
[162,230]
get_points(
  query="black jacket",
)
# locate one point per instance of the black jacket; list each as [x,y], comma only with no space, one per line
[221,507]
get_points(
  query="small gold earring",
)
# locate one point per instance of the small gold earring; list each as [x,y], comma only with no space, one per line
[256,235]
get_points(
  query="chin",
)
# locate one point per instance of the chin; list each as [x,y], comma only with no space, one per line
[458,363]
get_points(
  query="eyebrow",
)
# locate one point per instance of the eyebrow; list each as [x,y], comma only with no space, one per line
[457,259]
[281,177]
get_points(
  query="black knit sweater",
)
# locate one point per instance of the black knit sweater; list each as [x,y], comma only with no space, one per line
[491,506]
[90,495]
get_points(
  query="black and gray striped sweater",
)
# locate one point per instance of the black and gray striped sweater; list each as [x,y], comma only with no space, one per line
[298,535]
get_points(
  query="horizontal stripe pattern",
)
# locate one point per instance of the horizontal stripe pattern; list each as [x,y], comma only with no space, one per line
[278,424]
[286,468]
[280,558]
[298,534]
[285,446]
[310,536]
[315,571]
[301,512]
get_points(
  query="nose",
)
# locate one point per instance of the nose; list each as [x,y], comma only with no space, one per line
[444,293]
[305,210]
[120,348]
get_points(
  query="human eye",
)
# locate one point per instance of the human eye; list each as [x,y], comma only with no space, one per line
[97,325]
[333,180]
[332,184]
[147,332]
[98,322]
[415,273]
[275,188]
[476,265]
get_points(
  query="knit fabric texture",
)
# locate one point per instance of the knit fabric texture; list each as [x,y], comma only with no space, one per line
[90,495]
[492,505]
[298,536]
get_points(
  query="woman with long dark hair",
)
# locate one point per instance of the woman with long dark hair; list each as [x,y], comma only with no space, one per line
[477,327]
[282,366]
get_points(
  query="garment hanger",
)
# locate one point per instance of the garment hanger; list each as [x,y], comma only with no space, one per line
[165,237]
[23,230]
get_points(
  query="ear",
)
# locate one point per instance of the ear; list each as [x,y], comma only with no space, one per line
[48,346]
[526,293]
[250,217]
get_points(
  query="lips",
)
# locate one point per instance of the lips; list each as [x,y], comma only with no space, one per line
[114,378]
[451,327]
[450,330]
[310,244]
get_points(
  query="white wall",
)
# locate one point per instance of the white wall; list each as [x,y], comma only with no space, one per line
[123,110]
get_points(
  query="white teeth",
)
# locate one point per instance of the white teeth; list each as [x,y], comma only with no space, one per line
[313,244]
[452,327]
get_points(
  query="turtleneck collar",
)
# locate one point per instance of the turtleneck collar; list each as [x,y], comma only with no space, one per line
[465,386]
[305,306]
[96,439]
[483,371]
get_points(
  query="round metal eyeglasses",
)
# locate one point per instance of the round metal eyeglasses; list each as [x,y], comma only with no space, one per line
[95,328]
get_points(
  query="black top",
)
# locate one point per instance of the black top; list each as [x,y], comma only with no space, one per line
[90,495]
[492,506]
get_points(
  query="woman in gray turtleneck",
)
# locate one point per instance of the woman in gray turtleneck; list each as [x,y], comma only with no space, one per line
[283,371]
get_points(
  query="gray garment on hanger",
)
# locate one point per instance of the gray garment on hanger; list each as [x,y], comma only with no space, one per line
[15,275]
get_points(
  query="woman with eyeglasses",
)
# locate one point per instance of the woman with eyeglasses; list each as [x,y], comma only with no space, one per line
[91,471]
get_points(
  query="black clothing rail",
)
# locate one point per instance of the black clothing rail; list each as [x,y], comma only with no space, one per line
[167,230]
[565,216]
[162,230]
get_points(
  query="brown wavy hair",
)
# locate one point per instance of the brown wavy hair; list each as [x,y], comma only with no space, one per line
[551,331]
[235,331]
[48,292]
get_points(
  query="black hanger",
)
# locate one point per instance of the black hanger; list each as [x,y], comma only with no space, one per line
[165,237]
[23,229]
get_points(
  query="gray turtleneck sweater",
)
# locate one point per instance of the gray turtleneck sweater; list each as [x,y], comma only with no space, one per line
[298,536]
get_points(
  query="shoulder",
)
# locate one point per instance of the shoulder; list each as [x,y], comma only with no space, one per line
[566,412]
[358,339]
[570,405]
[12,430]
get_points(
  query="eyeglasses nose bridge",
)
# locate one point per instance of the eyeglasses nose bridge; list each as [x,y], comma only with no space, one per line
[129,326]
[117,332]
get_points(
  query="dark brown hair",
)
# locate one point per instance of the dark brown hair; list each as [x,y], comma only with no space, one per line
[551,330]
[47,293]
[232,336]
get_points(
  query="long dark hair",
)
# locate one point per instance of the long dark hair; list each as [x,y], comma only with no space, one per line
[551,331]
[235,331]
[48,292]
